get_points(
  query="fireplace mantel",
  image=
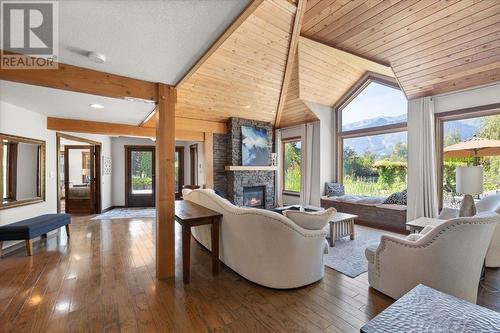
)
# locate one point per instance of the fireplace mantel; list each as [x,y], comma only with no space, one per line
[250,168]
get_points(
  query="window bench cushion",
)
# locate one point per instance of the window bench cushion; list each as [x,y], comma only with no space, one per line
[33,227]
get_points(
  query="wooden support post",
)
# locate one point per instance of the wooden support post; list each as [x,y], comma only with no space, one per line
[165,182]
[208,153]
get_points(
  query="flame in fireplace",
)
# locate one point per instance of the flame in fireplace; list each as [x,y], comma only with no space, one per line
[254,202]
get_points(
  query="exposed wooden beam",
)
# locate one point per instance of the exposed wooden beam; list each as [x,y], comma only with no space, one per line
[96,127]
[84,80]
[228,32]
[208,153]
[165,182]
[189,124]
[292,51]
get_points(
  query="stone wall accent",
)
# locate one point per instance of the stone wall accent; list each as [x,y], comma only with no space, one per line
[227,151]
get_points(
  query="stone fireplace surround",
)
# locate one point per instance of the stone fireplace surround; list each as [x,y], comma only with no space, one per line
[227,151]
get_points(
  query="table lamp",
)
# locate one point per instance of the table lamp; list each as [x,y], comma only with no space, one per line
[469,182]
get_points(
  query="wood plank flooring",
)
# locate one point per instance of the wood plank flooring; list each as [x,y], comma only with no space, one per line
[102,280]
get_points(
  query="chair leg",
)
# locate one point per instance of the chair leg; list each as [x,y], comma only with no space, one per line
[1,245]
[67,230]
[29,247]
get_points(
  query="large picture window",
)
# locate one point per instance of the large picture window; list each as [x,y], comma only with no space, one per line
[292,160]
[372,139]
[468,138]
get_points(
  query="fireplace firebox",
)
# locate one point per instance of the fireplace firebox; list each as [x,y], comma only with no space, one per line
[254,196]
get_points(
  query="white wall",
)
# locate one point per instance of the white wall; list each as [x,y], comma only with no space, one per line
[27,162]
[467,98]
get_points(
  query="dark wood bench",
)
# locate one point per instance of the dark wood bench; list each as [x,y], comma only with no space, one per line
[34,227]
[372,216]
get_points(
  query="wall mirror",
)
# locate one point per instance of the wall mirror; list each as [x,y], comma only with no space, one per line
[22,171]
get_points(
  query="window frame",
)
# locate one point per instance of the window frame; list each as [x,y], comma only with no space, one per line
[283,143]
[439,120]
[363,132]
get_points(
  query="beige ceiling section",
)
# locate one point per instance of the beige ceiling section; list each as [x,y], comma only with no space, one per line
[294,110]
[243,76]
[326,73]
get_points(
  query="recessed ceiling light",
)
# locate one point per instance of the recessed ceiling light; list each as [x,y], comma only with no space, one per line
[96,106]
[97,57]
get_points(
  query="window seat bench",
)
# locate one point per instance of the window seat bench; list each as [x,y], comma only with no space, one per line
[376,215]
[34,227]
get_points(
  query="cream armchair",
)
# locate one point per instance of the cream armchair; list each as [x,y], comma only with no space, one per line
[448,258]
[490,203]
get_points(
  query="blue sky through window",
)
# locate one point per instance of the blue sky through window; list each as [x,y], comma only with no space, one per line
[376,105]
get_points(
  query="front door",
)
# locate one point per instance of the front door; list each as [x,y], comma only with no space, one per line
[79,179]
[140,176]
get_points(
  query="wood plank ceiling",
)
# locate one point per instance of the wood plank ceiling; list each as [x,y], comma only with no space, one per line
[433,46]
[243,77]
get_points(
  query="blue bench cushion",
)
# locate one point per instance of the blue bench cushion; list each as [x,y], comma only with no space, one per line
[34,227]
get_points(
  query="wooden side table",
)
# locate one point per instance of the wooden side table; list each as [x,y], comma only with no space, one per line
[341,225]
[188,214]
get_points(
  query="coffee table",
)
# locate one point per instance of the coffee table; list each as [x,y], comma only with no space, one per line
[417,225]
[341,225]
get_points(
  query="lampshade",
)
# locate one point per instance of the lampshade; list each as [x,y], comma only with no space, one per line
[470,180]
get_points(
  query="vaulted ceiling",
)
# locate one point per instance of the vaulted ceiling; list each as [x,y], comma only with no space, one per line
[433,46]
[276,55]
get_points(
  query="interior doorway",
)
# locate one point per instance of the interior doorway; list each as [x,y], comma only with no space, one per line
[179,171]
[140,176]
[78,175]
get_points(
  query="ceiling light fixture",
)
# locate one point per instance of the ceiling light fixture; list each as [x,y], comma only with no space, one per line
[96,106]
[97,57]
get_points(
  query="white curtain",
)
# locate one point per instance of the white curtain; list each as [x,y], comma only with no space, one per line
[422,173]
[278,179]
[307,152]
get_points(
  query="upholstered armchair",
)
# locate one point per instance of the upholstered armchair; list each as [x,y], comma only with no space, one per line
[490,203]
[448,257]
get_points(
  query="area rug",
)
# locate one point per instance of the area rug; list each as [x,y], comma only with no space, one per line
[348,256]
[126,213]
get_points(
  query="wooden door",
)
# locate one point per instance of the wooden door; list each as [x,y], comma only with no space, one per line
[179,171]
[140,176]
[79,179]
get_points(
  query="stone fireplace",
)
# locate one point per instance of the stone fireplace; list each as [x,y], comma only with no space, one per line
[232,183]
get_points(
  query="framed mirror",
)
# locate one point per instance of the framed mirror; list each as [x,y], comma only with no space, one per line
[22,171]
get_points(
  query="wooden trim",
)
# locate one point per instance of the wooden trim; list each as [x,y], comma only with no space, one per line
[195,125]
[84,80]
[378,130]
[165,196]
[358,87]
[439,120]
[208,153]
[225,35]
[292,51]
[77,138]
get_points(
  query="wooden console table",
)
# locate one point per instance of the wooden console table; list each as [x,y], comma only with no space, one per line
[189,214]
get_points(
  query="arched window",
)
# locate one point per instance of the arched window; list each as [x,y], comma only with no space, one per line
[372,139]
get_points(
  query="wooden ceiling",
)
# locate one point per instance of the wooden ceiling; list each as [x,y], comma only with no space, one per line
[243,76]
[433,46]
[326,73]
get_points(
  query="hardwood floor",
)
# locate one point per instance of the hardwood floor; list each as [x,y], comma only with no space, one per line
[103,280]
